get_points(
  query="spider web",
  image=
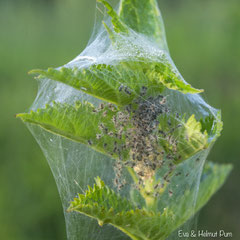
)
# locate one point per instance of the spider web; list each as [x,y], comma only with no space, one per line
[74,166]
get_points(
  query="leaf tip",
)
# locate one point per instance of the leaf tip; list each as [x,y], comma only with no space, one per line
[34,71]
[99,182]
[100,223]
[200,90]
[19,115]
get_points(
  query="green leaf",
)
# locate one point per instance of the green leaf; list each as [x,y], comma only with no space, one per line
[104,81]
[82,122]
[99,81]
[213,177]
[162,72]
[188,137]
[78,123]
[107,207]
[213,125]
[144,18]
[118,25]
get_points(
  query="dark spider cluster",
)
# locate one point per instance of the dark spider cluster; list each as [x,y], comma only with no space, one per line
[137,124]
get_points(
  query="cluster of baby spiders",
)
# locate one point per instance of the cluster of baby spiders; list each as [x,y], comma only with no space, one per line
[138,125]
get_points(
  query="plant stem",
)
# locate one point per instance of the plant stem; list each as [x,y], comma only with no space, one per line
[146,191]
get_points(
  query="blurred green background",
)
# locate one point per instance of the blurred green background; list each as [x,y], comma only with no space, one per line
[204,41]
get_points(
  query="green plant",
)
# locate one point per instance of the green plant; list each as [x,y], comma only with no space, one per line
[150,121]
